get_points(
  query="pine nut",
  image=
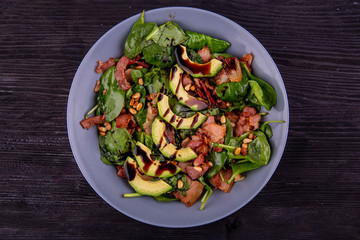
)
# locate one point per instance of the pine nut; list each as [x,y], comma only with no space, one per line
[138,129]
[136,95]
[187,87]
[247,140]
[244,145]
[102,129]
[107,126]
[132,111]
[192,88]
[199,169]
[223,119]
[132,102]
[251,135]
[139,67]
[141,81]
[211,164]
[237,151]
[139,106]
[228,104]
[180,184]
[102,133]
[135,104]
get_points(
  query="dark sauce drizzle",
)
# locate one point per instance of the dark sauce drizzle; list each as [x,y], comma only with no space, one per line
[130,171]
[196,117]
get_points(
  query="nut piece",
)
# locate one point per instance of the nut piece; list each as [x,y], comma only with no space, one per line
[136,95]
[223,119]
[132,102]
[237,151]
[251,135]
[102,129]
[247,140]
[107,126]
[187,87]
[102,133]
[180,184]
[244,145]
[228,104]
[139,67]
[132,111]
[199,169]
[97,86]
[139,106]
[135,104]
[211,164]
[192,88]
[141,81]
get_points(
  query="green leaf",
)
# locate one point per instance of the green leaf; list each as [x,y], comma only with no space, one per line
[218,159]
[197,41]
[163,57]
[167,35]
[216,45]
[224,55]
[136,42]
[232,91]
[241,168]
[229,131]
[265,94]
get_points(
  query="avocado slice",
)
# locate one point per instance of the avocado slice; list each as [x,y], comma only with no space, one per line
[178,90]
[153,167]
[177,122]
[208,69]
[141,186]
[166,148]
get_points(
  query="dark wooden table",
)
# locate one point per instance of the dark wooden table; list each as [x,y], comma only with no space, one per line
[314,194]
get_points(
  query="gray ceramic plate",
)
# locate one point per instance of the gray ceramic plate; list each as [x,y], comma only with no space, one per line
[103,178]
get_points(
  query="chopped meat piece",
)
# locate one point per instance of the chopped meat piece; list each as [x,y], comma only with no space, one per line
[207,92]
[248,121]
[199,160]
[247,59]
[170,134]
[126,121]
[150,116]
[120,73]
[213,131]
[121,171]
[203,149]
[183,165]
[91,121]
[218,183]
[194,143]
[128,75]
[217,149]
[194,174]
[221,104]
[230,72]
[186,80]
[102,67]
[192,194]
[205,54]
[210,119]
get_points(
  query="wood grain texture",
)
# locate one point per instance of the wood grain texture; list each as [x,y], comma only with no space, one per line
[314,194]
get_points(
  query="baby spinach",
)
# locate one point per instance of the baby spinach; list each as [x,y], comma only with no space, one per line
[229,131]
[224,55]
[136,42]
[218,159]
[115,145]
[140,118]
[197,41]
[232,91]
[167,35]
[238,168]
[163,57]
[172,181]
[138,73]
[265,94]
[266,129]
[110,103]
[157,80]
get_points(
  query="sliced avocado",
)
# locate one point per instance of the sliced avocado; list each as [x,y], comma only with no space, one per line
[152,167]
[177,88]
[141,186]
[166,148]
[208,69]
[177,122]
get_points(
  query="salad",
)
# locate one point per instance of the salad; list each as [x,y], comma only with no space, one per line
[177,116]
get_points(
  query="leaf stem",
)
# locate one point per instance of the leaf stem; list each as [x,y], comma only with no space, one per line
[131,195]
[91,111]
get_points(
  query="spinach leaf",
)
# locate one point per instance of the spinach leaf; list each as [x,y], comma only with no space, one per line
[225,55]
[136,88]
[172,181]
[184,133]
[136,42]
[266,129]
[237,105]
[239,168]
[163,57]
[197,41]
[167,35]
[138,73]
[265,94]
[194,56]
[110,103]
[232,91]
[211,111]
[115,145]
[218,159]
[157,80]
[229,131]
[140,118]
